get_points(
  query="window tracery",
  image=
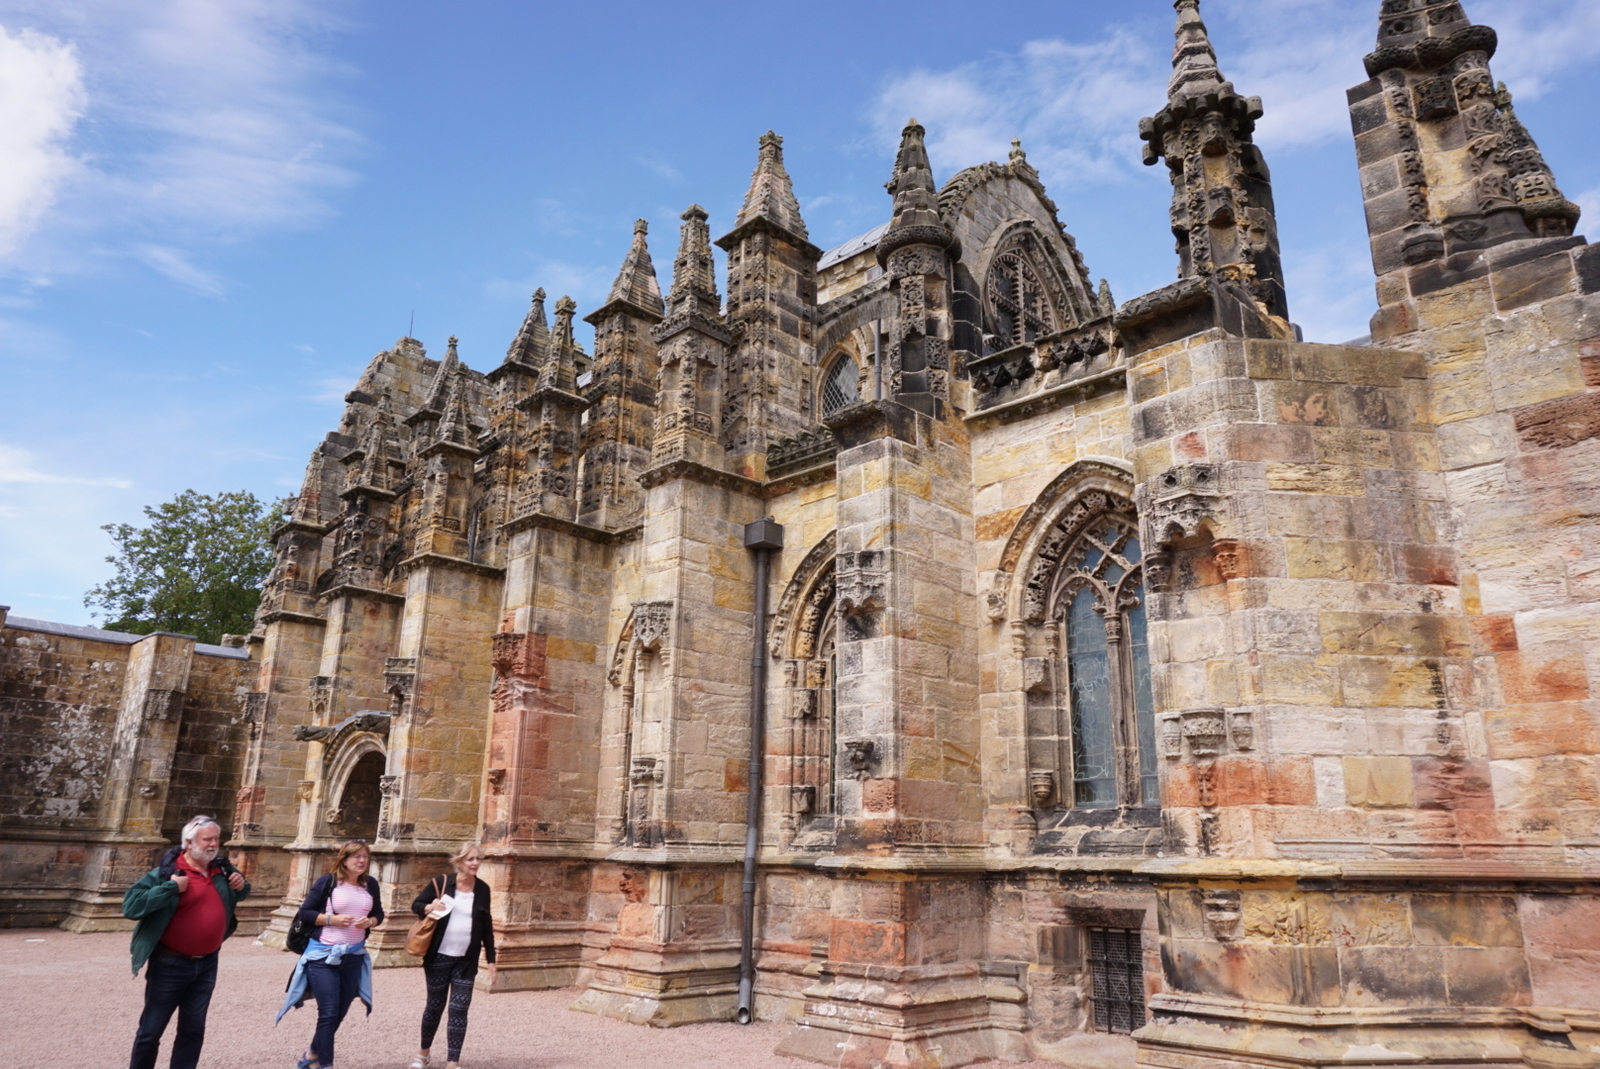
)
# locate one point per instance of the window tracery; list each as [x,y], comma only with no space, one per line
[1019,305]
[1091,716]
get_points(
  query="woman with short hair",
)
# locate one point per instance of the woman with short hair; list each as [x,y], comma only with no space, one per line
[341,907]
[461,902]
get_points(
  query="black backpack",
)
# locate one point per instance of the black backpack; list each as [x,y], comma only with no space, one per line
[300,929]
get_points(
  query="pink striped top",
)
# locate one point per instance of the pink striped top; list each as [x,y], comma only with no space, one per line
[353,901]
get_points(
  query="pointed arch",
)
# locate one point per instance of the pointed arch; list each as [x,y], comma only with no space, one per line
[1090,473]
[797,624]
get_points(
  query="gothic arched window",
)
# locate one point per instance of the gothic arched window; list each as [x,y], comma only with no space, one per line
[1018,303]
[1089,707]
[1099,611]
[839,385]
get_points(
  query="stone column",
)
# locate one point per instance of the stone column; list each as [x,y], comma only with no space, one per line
[146,740]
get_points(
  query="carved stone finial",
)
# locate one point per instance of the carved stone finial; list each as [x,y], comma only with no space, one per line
[635,286]
[533,338]
[694,280]
[1222,216]
[1017,155]
[1108,304]
[771,194]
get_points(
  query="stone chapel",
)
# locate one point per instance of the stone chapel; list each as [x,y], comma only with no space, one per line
[911,643]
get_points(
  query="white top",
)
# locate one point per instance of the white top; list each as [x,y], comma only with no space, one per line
[458,929]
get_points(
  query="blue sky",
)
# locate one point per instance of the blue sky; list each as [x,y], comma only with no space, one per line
[214,212]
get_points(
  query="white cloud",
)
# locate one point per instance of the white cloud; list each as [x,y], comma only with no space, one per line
[205,122]
[41,99]
[18,466]
[176,266]
[1075,106]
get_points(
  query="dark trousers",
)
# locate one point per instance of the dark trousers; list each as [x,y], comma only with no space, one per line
[335,987]
[174,983]
[449,981]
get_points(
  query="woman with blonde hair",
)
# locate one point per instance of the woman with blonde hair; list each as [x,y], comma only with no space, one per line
[461,902]
[341,907]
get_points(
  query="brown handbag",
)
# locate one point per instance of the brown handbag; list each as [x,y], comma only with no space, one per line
[420,937]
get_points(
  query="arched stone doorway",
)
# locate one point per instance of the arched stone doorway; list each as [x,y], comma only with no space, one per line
[361,800]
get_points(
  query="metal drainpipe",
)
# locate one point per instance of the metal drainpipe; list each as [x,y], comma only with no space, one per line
[761,538]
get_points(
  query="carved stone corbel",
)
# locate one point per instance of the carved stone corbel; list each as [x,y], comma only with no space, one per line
[1205,731]
[1224,914]
[859,757]
[861,582]
[652,623]
[1182,504]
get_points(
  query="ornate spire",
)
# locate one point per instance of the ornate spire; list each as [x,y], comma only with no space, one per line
[916,198]
[307,506]
[1548,213]
[771,195]
[1194,61]
[916,218]
[694,280]
[530,343]
[636,283]
[377,447]
[456,426]
[438,390]
[1222,211]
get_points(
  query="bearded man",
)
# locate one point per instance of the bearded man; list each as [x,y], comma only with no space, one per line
[184,907]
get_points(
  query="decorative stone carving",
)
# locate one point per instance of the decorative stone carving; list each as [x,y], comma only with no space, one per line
[497,780]
[861,583]
[1171,735]
[652,622]
[389,786]
[1231,557]
[806,703]
[253,710]
[321,696]
[644,772]
[163,704]
[859,757]
[369,720]
[994,599]
[803,799]
[334,817]
[399,682]
[1241,729]
[149,789]
[1223,914]
[303,790]
[1181,503]
[1204,730]
[1041,787]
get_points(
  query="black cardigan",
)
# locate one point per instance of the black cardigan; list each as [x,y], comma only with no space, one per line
[322,890]
[482,921]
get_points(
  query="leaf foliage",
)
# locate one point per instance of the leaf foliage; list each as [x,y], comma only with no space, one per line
[196,569]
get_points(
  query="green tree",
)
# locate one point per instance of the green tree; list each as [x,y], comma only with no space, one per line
[196,569]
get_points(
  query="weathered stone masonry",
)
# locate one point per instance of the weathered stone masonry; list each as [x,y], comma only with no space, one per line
[1147,686]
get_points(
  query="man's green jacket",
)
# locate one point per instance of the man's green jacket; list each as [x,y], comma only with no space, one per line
[154,899]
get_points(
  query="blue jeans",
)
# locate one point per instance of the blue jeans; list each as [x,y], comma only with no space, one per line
[174,983]
[335,987]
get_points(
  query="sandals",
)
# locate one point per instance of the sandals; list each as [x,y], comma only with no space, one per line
[306,1061]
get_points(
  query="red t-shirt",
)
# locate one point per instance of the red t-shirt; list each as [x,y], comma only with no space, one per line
[201,922]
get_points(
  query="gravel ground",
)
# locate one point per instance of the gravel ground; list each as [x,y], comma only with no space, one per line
[70,1003]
